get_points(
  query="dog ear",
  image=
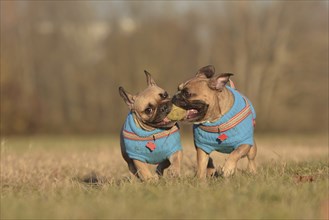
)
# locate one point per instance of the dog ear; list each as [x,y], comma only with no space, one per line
[219,82]
[150,81]
[128,98]
[207,71]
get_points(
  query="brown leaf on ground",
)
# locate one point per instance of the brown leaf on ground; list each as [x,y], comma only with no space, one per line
[303,179]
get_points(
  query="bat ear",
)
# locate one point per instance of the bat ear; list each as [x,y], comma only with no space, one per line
[207,71]
[128,98]
[150,81]
[219,82]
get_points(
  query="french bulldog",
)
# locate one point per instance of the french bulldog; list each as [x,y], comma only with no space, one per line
[223,121]
[148,136]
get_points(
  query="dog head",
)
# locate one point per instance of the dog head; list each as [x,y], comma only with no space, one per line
[201,95]
[151,106]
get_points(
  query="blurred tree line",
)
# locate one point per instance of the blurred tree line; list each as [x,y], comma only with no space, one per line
[63,61]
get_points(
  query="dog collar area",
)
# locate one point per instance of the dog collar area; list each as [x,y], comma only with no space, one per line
[234,121]
[133,136]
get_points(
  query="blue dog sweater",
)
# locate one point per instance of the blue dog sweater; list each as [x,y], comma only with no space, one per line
[242,133]
[137,142]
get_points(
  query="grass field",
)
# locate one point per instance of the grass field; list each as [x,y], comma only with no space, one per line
[45,178]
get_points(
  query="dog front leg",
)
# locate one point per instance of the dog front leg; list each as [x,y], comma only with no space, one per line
[175,161]
[232,160]
[202,161]
[143,171]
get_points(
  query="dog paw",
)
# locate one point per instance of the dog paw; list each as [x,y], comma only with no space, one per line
[173,173]
[212,173]
[152,179]
[252,168]
[228,168]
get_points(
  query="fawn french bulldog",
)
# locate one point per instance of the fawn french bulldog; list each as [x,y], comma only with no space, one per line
[223,120]
[148,136]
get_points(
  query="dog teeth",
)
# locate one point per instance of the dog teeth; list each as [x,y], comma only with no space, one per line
[191,113]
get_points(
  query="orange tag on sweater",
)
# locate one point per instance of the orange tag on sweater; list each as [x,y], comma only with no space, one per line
[151,145]
[222,137]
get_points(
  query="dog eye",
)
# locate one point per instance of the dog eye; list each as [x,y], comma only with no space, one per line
[148,111]
[186,94]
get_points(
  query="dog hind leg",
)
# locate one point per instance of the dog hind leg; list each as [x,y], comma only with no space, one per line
[211,170]
[132,170]
[251,159]
[162,166]
[202,159]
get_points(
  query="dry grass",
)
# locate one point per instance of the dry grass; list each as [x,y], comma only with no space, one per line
[44,178]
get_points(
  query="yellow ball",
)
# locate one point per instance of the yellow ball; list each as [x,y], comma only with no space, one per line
[176,113]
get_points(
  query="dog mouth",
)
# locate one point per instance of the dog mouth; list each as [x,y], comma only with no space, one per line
[164,123]
[161,120]
[195,111]
[191,114]
[195,115]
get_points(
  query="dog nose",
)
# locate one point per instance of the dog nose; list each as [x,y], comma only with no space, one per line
[174,99]
[178,100]
[164,108]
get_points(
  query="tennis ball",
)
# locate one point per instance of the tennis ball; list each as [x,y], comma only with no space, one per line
[176,113]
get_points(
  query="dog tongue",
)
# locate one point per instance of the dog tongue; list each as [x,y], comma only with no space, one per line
[191,113]
[166,120]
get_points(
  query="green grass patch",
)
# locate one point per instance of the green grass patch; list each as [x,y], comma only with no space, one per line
[39,183]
